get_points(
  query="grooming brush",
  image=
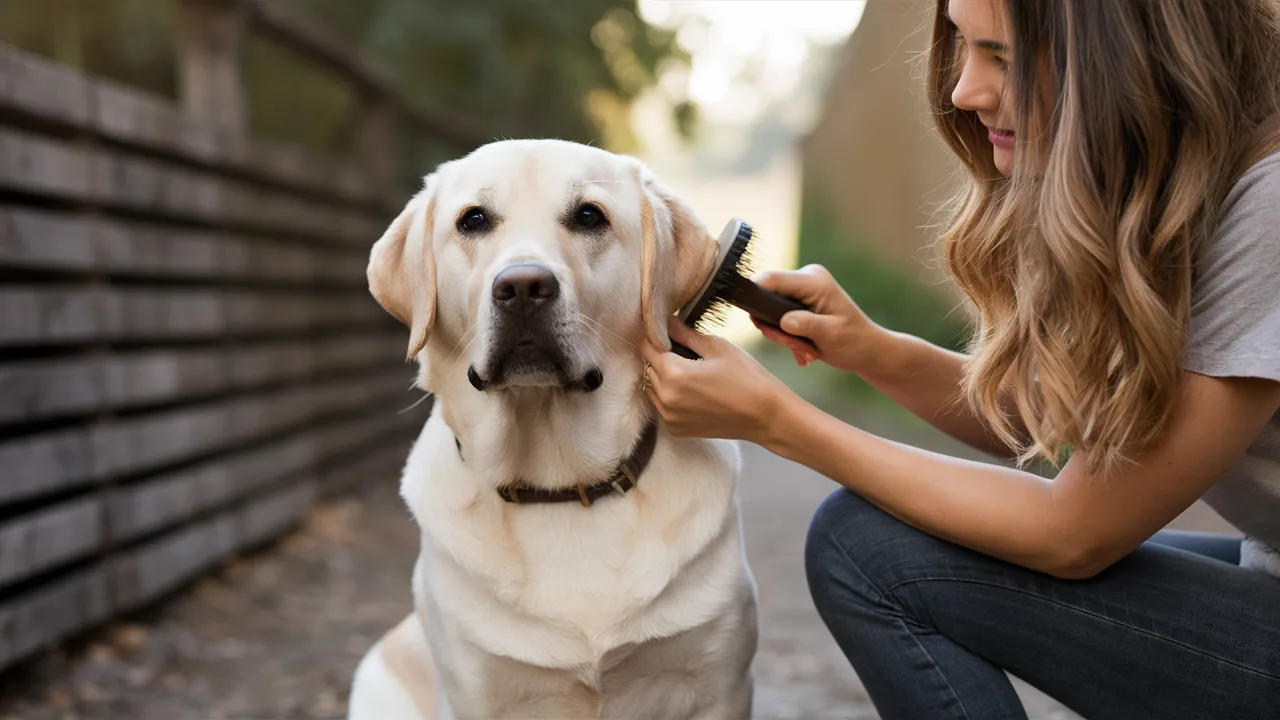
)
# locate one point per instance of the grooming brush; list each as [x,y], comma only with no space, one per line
[729,285]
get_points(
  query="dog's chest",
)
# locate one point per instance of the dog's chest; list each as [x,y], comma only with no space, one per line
[593,570]
[560,585]
[579,611]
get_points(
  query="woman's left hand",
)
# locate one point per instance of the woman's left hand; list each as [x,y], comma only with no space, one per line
[726,394]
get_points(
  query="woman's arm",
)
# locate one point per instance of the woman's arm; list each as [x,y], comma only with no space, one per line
[1073,526]
[920,376]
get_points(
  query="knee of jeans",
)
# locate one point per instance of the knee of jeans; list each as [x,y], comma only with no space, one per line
[852,542]
[827,559]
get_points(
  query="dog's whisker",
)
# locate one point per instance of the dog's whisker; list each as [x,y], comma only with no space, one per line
[469,344]
[542,397]
[474,336]
[606,329]
[600,340]
[416,404]
[455,345]
[604,346]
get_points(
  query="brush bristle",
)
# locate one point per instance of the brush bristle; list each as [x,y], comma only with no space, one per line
[711,311]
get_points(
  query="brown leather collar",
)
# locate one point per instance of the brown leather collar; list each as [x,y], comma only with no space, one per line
[622,479]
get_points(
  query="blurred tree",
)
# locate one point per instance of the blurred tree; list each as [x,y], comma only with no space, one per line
[126,40]
[537,68]
[533,68]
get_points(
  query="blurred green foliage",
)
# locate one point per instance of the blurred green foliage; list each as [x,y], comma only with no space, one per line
[888,296]
[531,68]
[539,68]
[126,40]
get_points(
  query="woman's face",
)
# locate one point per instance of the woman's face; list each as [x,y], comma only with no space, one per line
[985,52]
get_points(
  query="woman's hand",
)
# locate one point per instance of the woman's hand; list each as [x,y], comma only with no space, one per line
[842,334]
[726,394]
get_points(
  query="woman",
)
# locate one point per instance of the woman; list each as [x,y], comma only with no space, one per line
[1117,236]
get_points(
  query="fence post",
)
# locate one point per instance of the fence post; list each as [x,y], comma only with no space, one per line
[376,139]
[210,40]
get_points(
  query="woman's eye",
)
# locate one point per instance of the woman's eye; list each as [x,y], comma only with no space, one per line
[588,216]
[473,220]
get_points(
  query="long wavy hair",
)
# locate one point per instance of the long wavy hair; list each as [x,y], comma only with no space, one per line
[1135,117]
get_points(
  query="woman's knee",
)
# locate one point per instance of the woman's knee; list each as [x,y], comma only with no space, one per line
[830,554]
[852,544]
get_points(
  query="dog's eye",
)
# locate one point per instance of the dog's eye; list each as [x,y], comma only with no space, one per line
[588,216]
[473,220]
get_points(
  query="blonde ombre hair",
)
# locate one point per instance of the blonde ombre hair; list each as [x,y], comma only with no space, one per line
[1135,118]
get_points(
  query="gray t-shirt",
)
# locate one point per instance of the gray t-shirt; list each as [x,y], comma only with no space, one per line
[1235,331]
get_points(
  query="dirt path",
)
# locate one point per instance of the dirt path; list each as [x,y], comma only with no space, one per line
[278,634]
[274,635]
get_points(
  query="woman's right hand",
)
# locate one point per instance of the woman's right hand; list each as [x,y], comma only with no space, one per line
[842,334]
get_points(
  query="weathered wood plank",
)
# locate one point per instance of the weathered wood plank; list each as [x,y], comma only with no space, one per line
[176,496]
[46,463]
[266,517]
[128,115]
[32,239]
[49,462]
[74,314]
[162,565]
[45,538]
[47,314]
[38,87]
[146,573]
[284,163]
[44,388]
[47,241]
[35,389]
[52,612]
[36,164]
[41,88]
[385,465]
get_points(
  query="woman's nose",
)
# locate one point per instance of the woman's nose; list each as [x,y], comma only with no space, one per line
[976,91]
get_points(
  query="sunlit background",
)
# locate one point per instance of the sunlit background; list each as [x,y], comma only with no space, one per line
[757,71]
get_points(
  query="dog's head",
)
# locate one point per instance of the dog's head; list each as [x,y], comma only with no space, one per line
[524,263]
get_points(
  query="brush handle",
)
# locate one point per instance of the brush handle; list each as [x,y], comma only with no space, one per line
[766,306]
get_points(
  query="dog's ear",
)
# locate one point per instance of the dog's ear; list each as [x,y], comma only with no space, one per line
[402,269]
[676,257]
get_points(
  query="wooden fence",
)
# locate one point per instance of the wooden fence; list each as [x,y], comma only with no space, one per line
[189,356]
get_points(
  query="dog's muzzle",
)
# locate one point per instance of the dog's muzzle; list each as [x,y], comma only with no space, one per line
[528,341]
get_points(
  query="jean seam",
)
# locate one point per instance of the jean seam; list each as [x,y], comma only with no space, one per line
[849,563]
[936,668]
[1098,616]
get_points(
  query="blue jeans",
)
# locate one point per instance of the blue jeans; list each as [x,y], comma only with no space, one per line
[1174,630]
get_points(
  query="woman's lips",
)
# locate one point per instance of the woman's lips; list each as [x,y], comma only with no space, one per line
[1001,138]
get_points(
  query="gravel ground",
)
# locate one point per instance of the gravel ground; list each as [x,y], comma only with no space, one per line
[278,634]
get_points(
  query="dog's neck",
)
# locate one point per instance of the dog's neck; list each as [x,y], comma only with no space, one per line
[546,437]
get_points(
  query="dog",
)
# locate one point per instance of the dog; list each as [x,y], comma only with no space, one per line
[576,560]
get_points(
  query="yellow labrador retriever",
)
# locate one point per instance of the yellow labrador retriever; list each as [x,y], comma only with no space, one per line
[576,560]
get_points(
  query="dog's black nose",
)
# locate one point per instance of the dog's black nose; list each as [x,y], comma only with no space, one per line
[524,288]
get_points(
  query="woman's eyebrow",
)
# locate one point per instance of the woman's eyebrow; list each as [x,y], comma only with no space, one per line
[992,45]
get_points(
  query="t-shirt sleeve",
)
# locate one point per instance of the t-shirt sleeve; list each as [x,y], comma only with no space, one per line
[1234,328]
